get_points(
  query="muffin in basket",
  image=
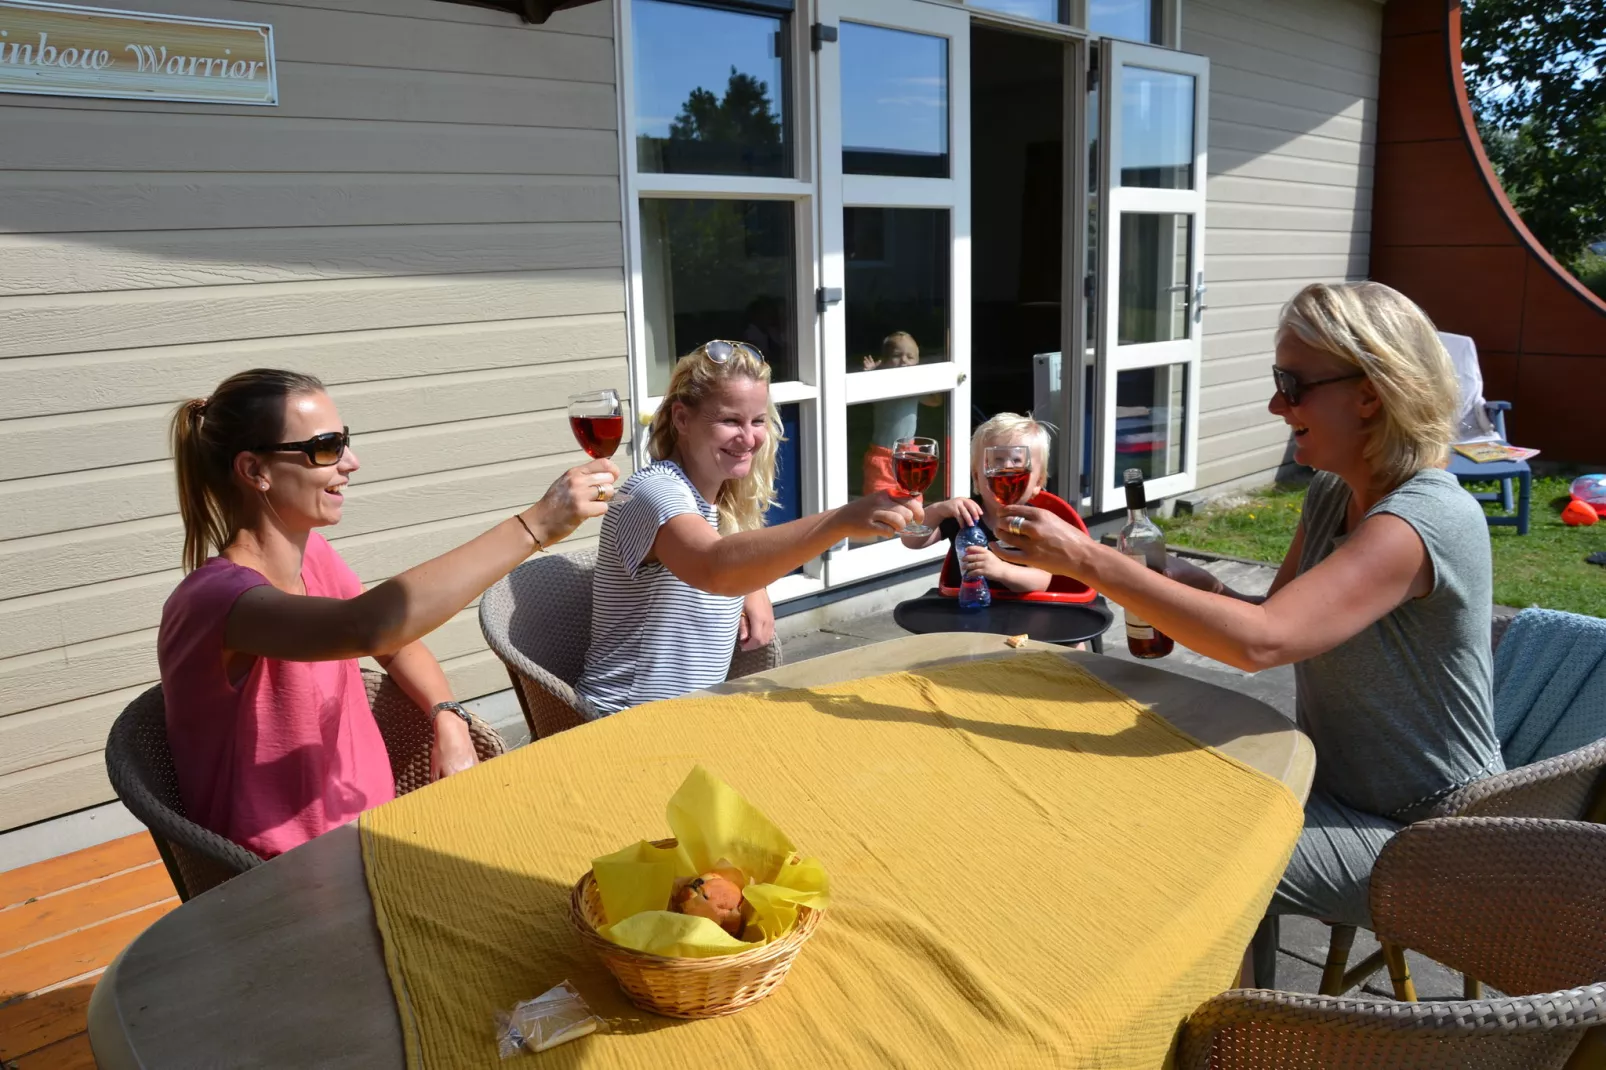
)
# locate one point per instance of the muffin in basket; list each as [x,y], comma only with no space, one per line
[684,963]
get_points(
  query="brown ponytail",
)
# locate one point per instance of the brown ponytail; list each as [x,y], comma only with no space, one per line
[247,409]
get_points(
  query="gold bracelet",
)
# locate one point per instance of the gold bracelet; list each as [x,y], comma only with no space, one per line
[525,524]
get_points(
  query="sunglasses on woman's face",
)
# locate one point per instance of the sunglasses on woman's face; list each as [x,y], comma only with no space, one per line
[322,450]
[1292,390]
[720,351]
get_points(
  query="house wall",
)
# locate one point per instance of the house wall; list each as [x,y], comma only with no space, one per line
[1293,125]
[429,221]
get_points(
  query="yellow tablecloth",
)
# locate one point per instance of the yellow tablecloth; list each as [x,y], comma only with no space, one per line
[1028,869]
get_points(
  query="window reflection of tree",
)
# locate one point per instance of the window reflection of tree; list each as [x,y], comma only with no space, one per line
[738,133]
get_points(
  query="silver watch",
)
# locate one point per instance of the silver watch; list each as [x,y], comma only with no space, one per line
[454,707]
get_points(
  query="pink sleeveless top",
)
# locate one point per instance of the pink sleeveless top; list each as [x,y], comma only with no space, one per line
[285,754]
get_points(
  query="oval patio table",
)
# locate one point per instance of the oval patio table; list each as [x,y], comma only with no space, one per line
[283,965]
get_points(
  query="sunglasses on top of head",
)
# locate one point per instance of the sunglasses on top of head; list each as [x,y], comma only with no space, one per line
[720,351]
[1292,390]
[322,450]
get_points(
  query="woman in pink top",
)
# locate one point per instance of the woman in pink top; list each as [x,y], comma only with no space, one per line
[267,719]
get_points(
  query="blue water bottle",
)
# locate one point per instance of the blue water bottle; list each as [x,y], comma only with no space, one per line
[973,590]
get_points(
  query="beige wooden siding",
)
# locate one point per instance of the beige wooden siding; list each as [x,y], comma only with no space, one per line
[1293,109]
[430,221]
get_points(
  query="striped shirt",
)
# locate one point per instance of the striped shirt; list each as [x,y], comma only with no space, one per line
[653,635]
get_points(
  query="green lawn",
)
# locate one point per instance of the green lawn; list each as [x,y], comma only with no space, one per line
[1545,567]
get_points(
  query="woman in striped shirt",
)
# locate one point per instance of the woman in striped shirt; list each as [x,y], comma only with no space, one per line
[685,557]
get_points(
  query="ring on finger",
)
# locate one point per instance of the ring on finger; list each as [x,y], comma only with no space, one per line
[1016,524]
[602,492]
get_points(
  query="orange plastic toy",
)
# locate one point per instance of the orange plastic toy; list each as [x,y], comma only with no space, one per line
[1579,514]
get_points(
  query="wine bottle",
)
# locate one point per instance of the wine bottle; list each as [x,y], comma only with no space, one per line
[1144,542]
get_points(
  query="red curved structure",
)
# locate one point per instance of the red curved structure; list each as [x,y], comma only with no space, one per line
[1444,233]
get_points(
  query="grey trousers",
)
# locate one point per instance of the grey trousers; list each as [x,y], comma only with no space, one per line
[1329,875]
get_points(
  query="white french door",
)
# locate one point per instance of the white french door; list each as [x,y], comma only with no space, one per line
[1151,269]
[894,298]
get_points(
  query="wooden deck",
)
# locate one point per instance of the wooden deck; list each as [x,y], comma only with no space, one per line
[62,921]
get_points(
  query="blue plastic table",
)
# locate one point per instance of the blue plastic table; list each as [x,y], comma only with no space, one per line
[1469,471]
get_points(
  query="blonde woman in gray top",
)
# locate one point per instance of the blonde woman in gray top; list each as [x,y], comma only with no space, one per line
[1382,603]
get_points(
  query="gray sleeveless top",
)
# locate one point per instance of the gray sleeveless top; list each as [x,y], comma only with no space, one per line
[1402,713]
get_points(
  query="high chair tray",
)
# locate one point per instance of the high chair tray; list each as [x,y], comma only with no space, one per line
[1049,622]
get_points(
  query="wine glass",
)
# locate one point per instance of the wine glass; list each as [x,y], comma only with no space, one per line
[597,419]
[1008,471]
[914,464]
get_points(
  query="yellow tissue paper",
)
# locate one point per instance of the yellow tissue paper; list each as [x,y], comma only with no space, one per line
[715,827]
[639,877]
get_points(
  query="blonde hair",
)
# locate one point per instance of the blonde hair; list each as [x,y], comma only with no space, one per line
[1008,429]
[743,502]
[245,411]
[890,344]
[1383,333]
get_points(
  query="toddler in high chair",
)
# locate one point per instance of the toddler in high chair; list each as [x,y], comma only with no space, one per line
[948,518]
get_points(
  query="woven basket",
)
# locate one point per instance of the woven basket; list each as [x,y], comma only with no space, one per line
[688,987]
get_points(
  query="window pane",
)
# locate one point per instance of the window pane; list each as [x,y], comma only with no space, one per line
[874,426]
[717,269]
[1090,394]
[788,469]
[1155,269]
[894,102]
[1156,129]
[896,296]
[1043,10]
[1090,294]
[1149,412]
[710,91]
[1135,20]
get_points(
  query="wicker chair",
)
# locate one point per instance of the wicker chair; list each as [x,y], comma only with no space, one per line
[538,620]
[1520,902]
[1568,787]
[140,767]
[409,736]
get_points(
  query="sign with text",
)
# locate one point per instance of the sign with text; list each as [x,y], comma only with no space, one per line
[63,50]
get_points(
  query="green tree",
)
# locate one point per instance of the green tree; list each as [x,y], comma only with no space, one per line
[743,117]
[1536,70]
[712,240]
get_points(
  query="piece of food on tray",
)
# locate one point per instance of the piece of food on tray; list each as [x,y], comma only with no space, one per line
[1016,641]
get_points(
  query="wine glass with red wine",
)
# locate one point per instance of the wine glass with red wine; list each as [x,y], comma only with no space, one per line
[597,419]
[1008,471]
[914,464]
